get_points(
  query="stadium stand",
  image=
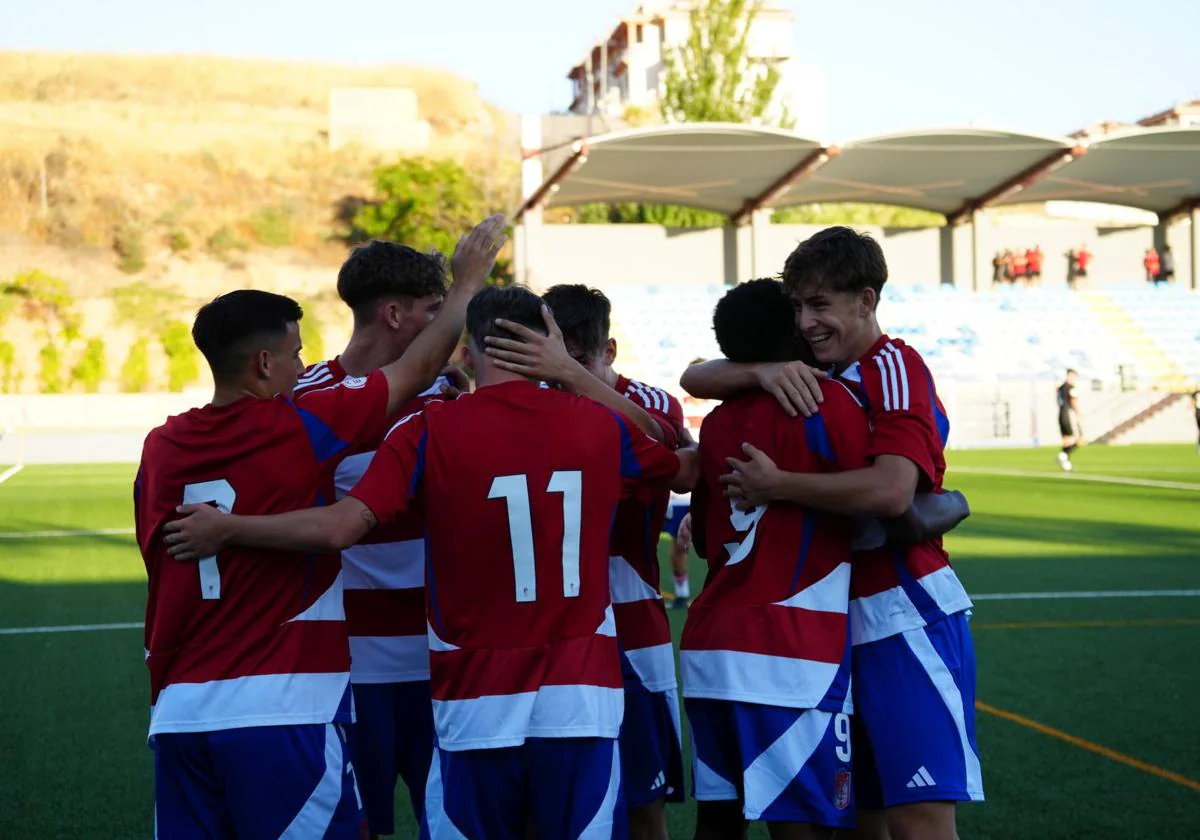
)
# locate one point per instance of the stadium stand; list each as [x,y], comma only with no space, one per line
[1152,335]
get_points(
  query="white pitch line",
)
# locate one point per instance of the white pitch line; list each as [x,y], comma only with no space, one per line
[10,472]
[1117,593]
[69,628]
[1074,476]
[80,532]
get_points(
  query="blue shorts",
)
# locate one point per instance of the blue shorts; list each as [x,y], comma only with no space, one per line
[914,698]
[257,783]
[566,788]
[675,514]
[783,765]
[392,738]
[651,747]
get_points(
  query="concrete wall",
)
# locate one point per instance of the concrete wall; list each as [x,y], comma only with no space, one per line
[647,254]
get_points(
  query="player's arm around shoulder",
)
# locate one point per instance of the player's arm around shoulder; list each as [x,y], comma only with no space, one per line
[795,385]
[203,530]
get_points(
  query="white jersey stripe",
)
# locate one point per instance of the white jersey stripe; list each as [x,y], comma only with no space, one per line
[898,358]
[883,377]
[506,720]
[893,380]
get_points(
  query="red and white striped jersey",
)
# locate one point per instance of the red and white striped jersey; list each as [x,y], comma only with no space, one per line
[642,627]
[896,589]
[519,485]
[771,624]
[383,576]
[249,637]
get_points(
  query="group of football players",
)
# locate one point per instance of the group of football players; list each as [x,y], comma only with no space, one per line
[369,571]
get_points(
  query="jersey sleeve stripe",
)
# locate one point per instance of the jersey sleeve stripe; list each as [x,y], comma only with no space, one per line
[902,372]
[883,378]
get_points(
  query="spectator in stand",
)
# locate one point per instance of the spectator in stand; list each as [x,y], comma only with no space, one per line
[1167,268]
[1020,266]
[1084,258]
[1033,260]
[1151,264]
[1072,268]
[1008,266]
[998,268]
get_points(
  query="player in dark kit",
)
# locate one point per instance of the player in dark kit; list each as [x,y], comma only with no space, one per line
[1068,420]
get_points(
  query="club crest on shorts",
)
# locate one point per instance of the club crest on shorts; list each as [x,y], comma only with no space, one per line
[841,790]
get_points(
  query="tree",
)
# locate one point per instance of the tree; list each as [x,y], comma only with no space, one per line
[712,77]
[882,215]
[423,204]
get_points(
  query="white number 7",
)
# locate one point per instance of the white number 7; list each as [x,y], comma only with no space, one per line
[514,489]
[221,493]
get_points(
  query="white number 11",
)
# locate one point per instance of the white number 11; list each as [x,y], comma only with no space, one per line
[221,493]
[514,489]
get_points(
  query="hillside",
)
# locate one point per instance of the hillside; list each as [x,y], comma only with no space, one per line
[214,172]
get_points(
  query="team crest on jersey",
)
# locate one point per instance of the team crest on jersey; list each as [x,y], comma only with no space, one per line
[354,381]
[841,790]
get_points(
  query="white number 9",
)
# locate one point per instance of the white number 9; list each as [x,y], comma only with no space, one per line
[841,729]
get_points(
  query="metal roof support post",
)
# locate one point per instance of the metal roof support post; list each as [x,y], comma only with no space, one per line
[1020,181]
[975,251]
[1194,248]
[799,173]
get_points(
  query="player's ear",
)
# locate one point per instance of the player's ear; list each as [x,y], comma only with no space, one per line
[262,364]
[393,313]
[868,301]
[467,358]
[610,351]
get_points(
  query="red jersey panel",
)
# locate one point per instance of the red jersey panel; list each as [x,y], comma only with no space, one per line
[642,627]
[249,637]
[897,589]
[771,624]
[519,486]
[383,577]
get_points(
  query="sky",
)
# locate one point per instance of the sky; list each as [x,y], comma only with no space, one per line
[1044,66]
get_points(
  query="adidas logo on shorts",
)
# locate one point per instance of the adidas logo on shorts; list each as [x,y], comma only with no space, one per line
[921,779]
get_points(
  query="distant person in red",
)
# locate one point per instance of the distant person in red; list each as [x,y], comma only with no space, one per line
[1019,267]
[1166,272]
[1033,260]
[1084,258]
[1151,263]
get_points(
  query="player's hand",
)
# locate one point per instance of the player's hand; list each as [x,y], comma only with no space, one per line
[202,532]
[795,385]
[684,536]
[476,253]
[458,385]
[752,482]
[532,354]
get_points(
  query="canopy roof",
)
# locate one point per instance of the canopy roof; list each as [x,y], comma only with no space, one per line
[735,169]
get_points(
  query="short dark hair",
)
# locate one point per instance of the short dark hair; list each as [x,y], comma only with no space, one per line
[755,322]
[514,303]
[382,269]
[1072,370]
[583,314]
[234,325]
[837,258]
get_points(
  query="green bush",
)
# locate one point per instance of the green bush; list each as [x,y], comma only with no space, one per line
[183,364]
[92,366]
[224,241]
[50,374]
[178,241]
[144,306]
[135,371]
[8,367]
[310,335]
[44,296]
[271,226]
[130,247]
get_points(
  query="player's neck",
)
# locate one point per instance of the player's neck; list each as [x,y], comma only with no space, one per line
[487,375]
[870,336]
[226,393]
[610,377]
[367,352]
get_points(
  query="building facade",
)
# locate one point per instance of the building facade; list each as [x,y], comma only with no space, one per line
[626,70]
